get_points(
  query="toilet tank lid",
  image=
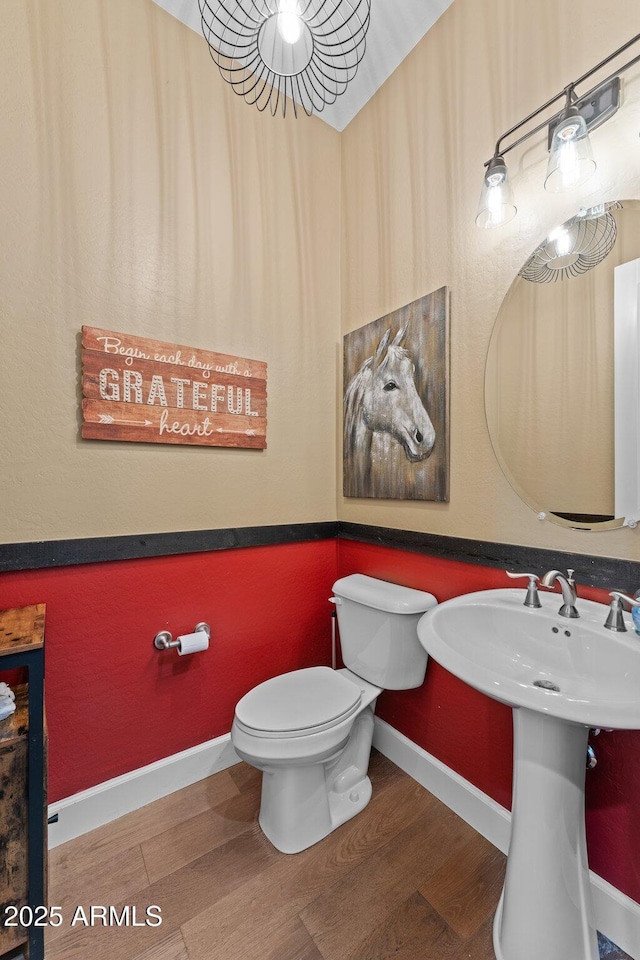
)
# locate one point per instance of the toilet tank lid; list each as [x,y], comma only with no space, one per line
[391,597]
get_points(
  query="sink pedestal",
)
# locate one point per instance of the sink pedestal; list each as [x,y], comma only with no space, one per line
[545,909]
[560,676]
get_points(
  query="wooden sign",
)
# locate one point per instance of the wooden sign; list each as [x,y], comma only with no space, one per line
[153,392]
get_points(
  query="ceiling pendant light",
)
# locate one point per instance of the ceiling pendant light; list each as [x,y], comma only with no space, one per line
[273,51]
[496,202]
[571,160]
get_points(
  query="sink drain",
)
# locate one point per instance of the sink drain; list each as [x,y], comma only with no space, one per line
[547,685]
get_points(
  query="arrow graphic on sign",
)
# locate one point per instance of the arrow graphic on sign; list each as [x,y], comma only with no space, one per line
[248,433]
[106,418]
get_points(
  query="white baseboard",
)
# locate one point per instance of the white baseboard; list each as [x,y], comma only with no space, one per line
[617,916]
[480,811]
[112,799]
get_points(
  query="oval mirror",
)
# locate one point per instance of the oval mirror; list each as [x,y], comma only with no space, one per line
[565,345]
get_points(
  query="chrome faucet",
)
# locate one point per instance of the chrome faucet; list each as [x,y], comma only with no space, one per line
[615,620]
[568,587]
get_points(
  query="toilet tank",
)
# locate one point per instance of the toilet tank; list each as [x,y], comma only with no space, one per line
[378,630]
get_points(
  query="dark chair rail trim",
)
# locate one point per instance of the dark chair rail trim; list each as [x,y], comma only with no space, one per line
[610,573]
[67,553]
[605,572]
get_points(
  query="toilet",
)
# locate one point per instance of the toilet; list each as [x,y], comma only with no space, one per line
[310,730]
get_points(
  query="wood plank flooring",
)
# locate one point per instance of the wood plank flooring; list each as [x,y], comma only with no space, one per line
[405,879]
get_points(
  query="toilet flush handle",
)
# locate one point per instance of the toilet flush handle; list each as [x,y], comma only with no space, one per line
[335,600]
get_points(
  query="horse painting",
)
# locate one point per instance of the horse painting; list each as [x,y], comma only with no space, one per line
[388,431]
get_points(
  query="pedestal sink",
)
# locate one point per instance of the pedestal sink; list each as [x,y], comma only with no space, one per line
[561,677]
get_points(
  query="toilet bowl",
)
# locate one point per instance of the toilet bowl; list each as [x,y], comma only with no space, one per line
[311,783]
[310,731]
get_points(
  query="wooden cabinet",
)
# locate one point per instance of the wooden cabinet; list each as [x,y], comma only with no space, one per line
[23,779]
[13,816]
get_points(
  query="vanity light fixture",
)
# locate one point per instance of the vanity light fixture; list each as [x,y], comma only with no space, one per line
[270,51]
[571,161]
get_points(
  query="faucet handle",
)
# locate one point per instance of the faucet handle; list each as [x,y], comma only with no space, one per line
[615,620]
[570,574]
[617,596]
[532,599]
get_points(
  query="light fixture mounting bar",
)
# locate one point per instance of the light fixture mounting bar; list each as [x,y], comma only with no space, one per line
[596,106]
[602,101]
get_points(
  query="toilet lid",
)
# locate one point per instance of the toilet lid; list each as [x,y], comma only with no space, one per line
[314,697]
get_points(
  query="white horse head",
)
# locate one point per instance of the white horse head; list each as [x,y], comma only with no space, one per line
[382,398]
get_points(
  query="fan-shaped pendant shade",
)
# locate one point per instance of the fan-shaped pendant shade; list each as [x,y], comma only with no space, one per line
[271,50]
[573,248]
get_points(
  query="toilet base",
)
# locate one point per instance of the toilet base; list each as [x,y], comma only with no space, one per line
[345,805]
[303,803]
[311,813]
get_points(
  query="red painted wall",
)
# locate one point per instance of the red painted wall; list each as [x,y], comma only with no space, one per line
[115,703]
[473,734]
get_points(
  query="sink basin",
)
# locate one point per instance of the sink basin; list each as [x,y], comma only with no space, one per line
[561,676]
[494,643]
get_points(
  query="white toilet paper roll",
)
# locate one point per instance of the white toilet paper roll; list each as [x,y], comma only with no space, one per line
[193,642]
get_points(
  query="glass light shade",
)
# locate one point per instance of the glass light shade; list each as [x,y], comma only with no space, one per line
[571,160]
[496,202]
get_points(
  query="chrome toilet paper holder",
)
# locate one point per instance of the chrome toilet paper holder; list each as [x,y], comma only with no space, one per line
[164,640]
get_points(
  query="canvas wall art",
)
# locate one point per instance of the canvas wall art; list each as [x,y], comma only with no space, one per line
[396,404]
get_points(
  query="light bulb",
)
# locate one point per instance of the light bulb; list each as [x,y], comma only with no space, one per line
[561,238]
[495,206]
[289,21]
[568,163]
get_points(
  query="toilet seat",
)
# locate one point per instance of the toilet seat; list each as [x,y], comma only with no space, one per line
[298,703]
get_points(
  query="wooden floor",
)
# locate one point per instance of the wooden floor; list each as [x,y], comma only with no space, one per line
[406,879]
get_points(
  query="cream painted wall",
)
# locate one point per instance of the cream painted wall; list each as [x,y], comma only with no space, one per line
[138,193]
[412,164]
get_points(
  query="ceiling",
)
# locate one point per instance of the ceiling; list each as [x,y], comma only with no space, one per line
[396,27]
